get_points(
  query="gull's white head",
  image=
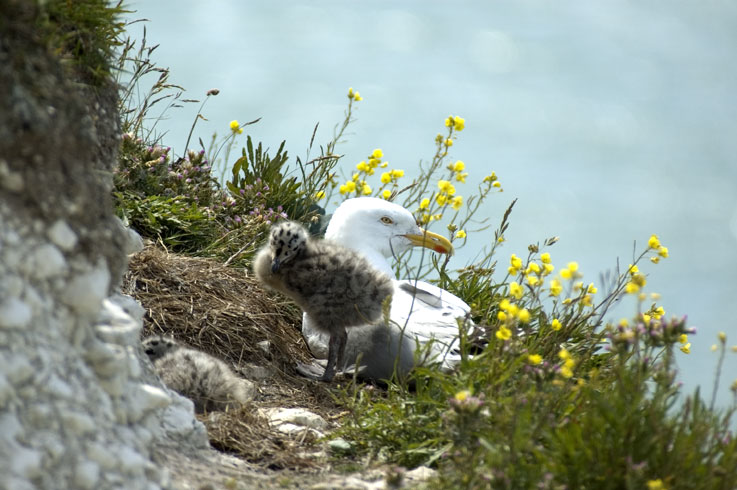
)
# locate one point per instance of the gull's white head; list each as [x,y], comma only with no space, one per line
[380,228]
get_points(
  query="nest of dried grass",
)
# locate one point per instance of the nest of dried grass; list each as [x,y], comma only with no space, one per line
[224,311]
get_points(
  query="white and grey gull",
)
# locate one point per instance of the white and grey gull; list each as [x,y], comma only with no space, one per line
[424,318]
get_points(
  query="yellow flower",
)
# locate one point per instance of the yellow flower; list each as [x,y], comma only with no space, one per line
[460,234]
[722,337]
[631,288]
[366,189]
[573,266]
[448,123]
[373,162]
[459,166]
[533,267]
[490,178]
[592,289]
[350,92]
[633,269]
[548,268]
[497,184]
[655,260]
[357,97]
[503,333]
[437,217]
[397,173]
[524,316]
[532,280]
[556,325]
[462,395]
[564,354]
[659,312]
[441,199]
[686,348]
[555,287]
[545,258]
[459,123]
[449,142]
[343,189]
[386,177]
[461,177]
[457,202]
[653,242]
[683,338]
[515,261]
[501,316]
[386,194]
[446,187]
[655,484]
[565,274]
[319,195]
[424,203]
[566,372]
[350,186]
[235,127]
[515,290]
[663,251]
[535,359]
[377,153]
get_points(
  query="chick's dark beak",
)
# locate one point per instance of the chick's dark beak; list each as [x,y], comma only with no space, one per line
[275,265]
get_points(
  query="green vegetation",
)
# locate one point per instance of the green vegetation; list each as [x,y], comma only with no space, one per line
[548,395]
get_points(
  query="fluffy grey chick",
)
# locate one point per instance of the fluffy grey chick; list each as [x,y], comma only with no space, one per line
[207,381]
[336,287]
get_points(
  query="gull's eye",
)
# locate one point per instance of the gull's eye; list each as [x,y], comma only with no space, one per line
[387,220]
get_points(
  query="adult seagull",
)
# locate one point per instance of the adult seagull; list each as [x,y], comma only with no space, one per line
[419,311]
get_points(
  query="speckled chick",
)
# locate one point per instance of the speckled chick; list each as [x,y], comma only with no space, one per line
[207,381]
[335,286]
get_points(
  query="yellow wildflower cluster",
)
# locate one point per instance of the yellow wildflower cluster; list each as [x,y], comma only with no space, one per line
[654,244]
[235,127]
[636,282]
[566,369]
[357,184]
[509,311]
[354,95]
[455,122]
[534,272]
[457,171]
[493,181]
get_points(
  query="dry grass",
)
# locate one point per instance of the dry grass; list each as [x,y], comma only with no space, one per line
[224,311]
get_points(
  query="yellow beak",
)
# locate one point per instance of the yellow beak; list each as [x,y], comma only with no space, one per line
[431,240]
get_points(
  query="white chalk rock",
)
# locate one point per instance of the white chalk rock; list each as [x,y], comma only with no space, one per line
[143,399]
[86,291]
[297,416]
[14,313]
[86,475]
[16,367]
[46,261]
[77,423]
[62,235]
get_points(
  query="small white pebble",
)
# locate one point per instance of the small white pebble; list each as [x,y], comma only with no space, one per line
[86,291]
[86,474]
[62,235]
[14,313]
[47,261]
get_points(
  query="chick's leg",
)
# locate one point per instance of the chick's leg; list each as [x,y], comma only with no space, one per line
[336,348]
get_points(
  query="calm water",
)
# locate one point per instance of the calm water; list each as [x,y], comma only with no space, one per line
[609,121]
